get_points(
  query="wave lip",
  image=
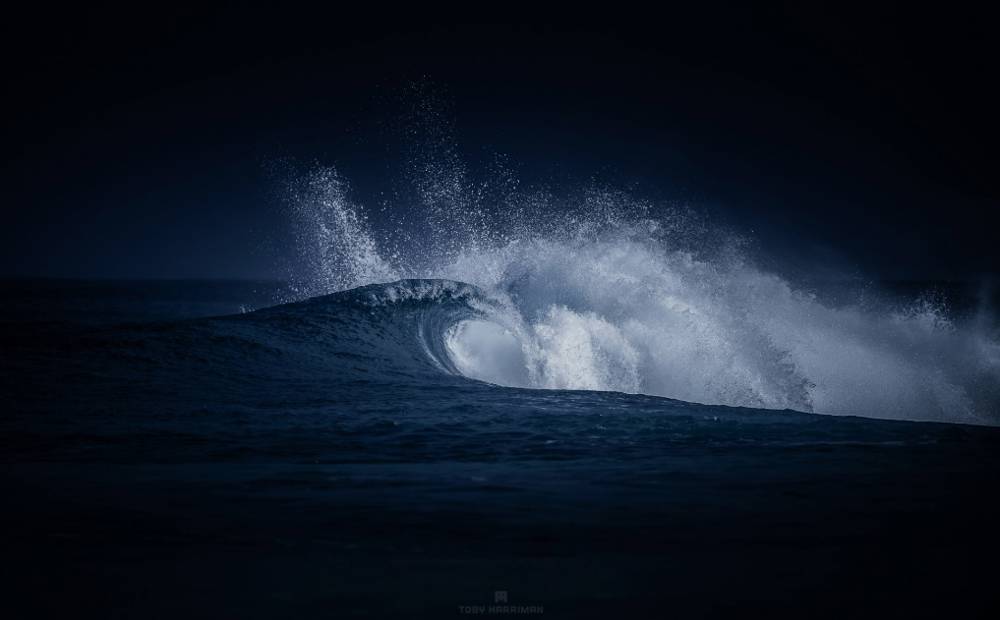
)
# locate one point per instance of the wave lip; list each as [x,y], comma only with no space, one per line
[387,332]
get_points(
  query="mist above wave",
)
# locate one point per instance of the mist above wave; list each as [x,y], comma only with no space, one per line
[600,291]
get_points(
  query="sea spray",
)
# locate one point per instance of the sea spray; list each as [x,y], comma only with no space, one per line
[604,291]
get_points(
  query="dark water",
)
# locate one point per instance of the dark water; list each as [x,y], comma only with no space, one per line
[325,459]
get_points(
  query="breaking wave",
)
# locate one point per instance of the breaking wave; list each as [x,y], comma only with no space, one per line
[600,291]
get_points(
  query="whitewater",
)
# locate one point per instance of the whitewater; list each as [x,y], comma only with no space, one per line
[474,388]
[588,401]
[603,291]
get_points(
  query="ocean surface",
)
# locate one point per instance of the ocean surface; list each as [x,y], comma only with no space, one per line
[488,399]
[428,447]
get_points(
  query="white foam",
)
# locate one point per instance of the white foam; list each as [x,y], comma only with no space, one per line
[489,352]
[600,296]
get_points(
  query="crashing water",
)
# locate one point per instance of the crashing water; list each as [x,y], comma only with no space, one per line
[355,452]
[605,292]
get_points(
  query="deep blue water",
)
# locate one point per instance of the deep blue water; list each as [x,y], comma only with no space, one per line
[169,453]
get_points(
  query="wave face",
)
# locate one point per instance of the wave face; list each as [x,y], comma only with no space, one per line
[599,293]
[377,334]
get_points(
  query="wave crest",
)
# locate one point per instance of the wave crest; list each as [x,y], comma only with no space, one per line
[598,294]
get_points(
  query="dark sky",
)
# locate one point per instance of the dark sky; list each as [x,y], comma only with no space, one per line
[136,140]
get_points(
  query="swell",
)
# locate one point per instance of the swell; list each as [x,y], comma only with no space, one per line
[782,350]
[353,349]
